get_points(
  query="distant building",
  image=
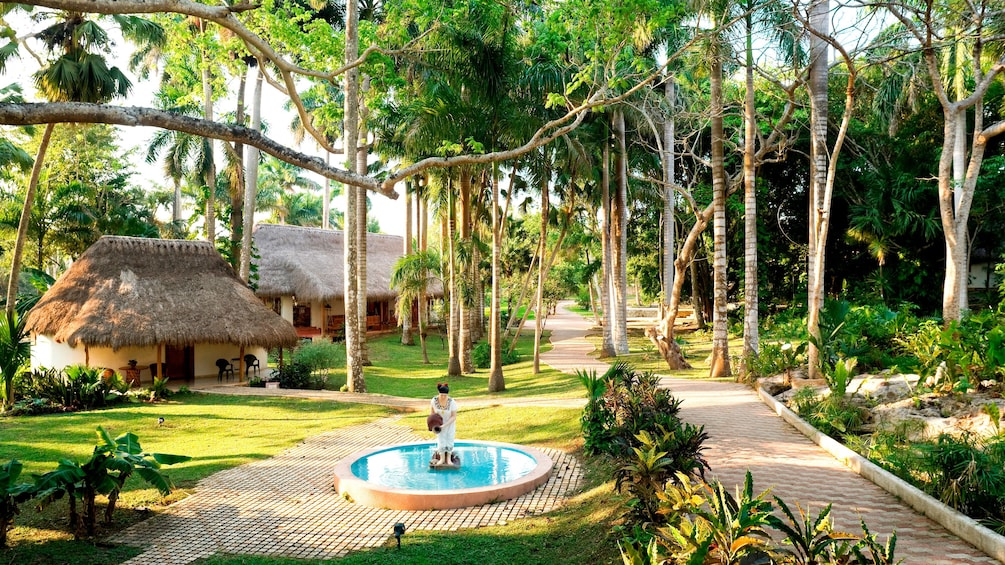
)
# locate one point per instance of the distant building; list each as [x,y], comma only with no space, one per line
[301,275]
[174,302]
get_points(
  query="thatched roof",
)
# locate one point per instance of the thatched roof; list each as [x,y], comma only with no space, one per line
[128,291]
[308,263]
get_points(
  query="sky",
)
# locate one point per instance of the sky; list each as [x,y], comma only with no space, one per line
[389,213]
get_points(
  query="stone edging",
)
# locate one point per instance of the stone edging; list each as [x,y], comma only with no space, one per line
[959,524]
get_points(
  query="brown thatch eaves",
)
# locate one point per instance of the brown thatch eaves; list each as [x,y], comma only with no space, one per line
[308,263]
[127,291]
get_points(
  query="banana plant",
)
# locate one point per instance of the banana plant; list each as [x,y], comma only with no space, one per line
[111,464]
[12,494]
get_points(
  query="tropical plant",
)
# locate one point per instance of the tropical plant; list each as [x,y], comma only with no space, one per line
[707,524]
[12,495]
[112,462]
[412,276]
[812,539]
[14,351]
[320,357]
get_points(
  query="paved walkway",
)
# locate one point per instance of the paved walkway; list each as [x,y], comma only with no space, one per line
[286,505]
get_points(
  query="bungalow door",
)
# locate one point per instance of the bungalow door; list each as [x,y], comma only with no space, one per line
[179,363]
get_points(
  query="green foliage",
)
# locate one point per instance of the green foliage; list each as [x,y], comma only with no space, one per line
[297,375]
[86,388]
[14,351]
[971,349]
[832,414]
[775,358]
[319,358]
[112,462]
[481,355]
[965,472]
[631,402]
[159,390]
[12,494]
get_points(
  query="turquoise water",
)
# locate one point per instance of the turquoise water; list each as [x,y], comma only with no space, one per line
[407,467]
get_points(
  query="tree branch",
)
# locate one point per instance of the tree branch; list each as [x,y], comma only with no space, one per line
[80,112]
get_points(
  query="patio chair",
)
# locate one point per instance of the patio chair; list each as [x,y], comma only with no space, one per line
[226,368]
[250,361]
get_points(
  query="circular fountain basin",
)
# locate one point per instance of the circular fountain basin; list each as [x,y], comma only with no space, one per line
[399,477]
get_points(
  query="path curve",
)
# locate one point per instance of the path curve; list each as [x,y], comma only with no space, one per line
[745,434]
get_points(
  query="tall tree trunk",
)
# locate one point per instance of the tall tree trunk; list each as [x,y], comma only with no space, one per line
[539,310]
[619,240]
[465,300]
[497,382]
[818,215]
[251,186]
[207,111]
[354,365]
[237,191]
[361,225]
[669,174]
[719,365]
[176,202]
[751,335]
[453,339]
[22,225]
[422,226]
[524,287]
[326,204]
[406,322]
[607,335]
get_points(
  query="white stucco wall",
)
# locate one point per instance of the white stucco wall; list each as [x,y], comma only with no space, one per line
[47,353]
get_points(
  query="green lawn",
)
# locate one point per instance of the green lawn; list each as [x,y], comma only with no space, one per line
[218,431]
[398,370]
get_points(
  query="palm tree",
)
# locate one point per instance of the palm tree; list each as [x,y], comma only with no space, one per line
[78,73]
[411,277]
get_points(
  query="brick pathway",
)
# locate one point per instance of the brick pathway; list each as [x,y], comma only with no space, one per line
[286,506]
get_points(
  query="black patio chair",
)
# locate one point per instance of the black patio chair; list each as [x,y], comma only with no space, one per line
[250,361]
[226,368]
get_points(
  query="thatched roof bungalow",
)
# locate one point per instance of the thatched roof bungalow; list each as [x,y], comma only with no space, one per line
[301,272]
[175,302]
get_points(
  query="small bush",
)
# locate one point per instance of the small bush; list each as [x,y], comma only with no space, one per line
[481,356]
[833,414]
[294,375]
[319,358]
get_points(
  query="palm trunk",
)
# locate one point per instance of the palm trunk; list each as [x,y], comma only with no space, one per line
[453,359]
[607,335]
[539,312]
[237,191]
[465,283]
[207,111]
[497,382]
[819,12]
[619,240]
[669,173]
[22,226]
[354,366]
[326,203]
[406,322]
[361,225]
[251,186]
[524,288]
[719,365]
[751,335]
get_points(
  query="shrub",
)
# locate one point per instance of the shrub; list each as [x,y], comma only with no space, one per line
[481,356]
[833,414]
[12,495]
[776,358]
[318,357]
[294,375]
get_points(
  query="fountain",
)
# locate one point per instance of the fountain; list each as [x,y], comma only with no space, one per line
[400,477]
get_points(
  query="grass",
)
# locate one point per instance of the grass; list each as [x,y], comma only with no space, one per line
[398,370]
[579,532]
[218,431]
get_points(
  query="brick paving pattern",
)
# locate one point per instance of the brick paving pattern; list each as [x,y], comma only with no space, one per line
[287,506]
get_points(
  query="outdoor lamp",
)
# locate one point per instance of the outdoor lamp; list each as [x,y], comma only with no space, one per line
[399,530]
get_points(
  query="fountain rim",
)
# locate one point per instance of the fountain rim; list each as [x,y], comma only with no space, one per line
[379,496]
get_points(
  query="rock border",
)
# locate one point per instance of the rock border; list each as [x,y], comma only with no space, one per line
[963,526]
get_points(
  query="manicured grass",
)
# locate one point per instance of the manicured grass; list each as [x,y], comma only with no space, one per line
[217,431]
[398,370]
[579,532]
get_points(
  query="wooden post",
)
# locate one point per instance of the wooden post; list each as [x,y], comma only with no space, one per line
[240,366]
[87,356]
[160,369]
